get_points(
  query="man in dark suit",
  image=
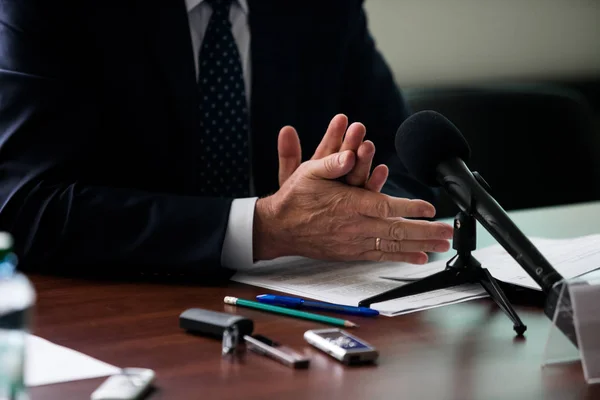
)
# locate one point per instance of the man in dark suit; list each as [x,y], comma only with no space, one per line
[142,136]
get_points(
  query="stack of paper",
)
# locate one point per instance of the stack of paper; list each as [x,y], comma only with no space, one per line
[348,283]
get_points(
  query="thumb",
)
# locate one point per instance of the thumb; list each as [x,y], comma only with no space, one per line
[290,152]
[333,166]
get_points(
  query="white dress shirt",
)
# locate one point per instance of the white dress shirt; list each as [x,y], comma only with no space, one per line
[237,247]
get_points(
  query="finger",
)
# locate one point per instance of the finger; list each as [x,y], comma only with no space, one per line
[333,166]
[364,158]
[407,246]
[398,229]
[378,178]
[384,206]
[406,229]
[332,140]
[354,137]
[290,152]
[412,258]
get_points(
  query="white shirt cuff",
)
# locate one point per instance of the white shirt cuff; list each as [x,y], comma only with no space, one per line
[237,246]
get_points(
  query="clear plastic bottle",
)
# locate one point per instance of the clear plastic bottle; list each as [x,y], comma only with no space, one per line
[17,298]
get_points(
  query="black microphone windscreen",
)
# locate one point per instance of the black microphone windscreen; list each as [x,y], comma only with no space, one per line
[426,139]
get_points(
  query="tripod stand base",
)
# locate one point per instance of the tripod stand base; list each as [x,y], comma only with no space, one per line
[461,269]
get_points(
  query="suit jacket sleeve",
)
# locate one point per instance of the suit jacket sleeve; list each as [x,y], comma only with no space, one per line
[375,99]
[60,221]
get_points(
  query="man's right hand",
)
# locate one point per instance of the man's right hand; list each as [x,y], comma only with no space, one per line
[315,216]
[338,137]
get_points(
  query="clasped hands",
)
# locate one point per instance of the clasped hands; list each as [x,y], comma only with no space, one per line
[316,215]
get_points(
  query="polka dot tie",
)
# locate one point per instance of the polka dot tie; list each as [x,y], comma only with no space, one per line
[223,110]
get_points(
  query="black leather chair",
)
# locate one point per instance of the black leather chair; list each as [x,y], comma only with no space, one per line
[535,145]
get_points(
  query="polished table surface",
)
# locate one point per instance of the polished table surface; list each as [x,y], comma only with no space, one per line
[463,351]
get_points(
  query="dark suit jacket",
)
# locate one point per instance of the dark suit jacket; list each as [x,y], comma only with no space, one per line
[98,123]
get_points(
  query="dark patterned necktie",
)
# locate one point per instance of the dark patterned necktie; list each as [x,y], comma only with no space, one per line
[223,110]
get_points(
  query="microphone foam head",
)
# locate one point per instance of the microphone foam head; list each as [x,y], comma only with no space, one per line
[426,139]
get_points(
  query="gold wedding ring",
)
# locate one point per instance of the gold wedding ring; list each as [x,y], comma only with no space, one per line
[378,244]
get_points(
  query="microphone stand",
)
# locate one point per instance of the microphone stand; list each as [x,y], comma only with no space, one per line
[461,269]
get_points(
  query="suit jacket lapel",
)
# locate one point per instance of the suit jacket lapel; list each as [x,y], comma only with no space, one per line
[170,46]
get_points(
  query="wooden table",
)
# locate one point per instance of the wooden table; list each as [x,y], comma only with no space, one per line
[464,351]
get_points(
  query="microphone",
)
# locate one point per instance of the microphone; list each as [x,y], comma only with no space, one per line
[434,151]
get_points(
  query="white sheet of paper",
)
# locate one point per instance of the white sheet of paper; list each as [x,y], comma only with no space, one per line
[47,363]
[349,282]
[570,257]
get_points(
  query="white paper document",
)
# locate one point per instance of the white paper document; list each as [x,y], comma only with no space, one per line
[349,283]
[48,363]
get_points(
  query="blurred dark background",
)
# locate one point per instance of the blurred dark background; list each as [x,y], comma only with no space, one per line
[521,80]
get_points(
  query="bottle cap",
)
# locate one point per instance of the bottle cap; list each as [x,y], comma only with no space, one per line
[6,244]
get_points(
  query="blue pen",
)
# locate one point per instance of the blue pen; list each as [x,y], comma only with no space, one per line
[295,302]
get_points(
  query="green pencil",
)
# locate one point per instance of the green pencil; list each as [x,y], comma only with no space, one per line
[289,311]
